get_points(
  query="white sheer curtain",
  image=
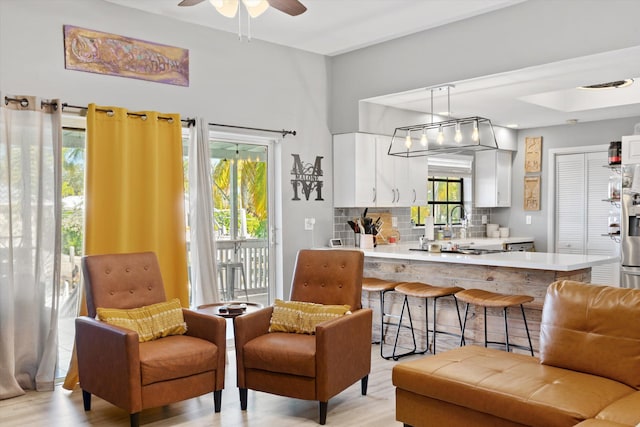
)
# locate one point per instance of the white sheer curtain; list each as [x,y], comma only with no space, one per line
[30,180]
[203,245]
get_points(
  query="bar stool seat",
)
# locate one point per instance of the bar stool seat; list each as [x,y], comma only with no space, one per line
[382,286]
[424,290]
[485,299]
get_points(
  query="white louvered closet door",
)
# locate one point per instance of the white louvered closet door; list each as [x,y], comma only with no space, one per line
[582,213]
[570,204]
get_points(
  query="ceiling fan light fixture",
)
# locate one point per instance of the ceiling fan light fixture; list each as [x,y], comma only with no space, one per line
[256,7]
[226,8]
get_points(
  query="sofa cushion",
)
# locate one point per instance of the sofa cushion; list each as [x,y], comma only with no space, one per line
[512,386]
[282,352]
[589,328]
[150,322]
[176,356]
[625,411]
[302,317]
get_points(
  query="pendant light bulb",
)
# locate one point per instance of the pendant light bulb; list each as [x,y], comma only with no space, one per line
[475,136]
[407,140]
[458,136]
[440,137]
[423,138]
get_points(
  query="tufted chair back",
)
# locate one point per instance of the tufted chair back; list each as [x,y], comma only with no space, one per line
[328,277]
[122,281]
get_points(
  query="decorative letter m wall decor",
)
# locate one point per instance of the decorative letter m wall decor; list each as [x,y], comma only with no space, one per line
[306,178]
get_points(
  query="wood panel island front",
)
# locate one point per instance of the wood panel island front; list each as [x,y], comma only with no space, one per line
[527,273]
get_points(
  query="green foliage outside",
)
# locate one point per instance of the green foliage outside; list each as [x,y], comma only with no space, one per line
[252,196]
[72,185]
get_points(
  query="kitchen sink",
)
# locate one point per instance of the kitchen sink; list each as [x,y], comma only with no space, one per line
[463,251]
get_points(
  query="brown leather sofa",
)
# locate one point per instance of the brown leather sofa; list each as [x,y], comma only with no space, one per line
[587,374]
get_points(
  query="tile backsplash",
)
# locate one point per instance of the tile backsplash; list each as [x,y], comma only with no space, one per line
[406,229]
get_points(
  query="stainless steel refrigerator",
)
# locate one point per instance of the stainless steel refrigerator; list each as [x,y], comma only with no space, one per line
[630,213]
[630,239]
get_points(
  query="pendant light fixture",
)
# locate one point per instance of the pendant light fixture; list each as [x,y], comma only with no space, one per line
[449,136]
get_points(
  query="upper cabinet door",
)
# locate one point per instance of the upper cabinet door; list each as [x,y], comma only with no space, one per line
[385,173]
[354,170]
[631,149]
[493,179]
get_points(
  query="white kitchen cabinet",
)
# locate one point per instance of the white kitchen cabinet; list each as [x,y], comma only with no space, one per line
[418,177]
[631,149]
[364,175]
[354,170]
[400,181]
[493,179]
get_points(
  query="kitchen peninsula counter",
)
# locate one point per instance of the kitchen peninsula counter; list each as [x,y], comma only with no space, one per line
[527,260]
[526,273]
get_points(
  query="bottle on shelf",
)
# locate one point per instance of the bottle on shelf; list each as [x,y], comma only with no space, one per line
[615,152]
[614,222]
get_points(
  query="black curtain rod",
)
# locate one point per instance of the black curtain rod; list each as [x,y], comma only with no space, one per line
[24,102]
[65,105]
[283,132]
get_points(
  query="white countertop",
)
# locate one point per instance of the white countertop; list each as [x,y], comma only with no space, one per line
[527,260]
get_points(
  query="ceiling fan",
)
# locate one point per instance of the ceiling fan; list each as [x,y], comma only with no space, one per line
[229,8]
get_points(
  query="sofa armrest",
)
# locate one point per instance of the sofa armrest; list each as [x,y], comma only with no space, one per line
[213,329]
[109,362]
[247,327]
[343,352]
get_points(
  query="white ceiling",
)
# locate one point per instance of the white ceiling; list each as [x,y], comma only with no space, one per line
[535,97]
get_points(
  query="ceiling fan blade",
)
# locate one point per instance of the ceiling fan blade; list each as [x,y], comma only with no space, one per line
[290,7]
[190,2]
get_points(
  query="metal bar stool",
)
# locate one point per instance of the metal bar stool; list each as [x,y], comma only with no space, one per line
[486,299]
[373,284]
[426,291]
[229,282]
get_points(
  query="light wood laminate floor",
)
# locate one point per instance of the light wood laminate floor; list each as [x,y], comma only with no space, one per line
[349,408]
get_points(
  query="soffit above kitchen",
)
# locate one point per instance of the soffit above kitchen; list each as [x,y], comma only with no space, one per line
[540,96]
[545,95]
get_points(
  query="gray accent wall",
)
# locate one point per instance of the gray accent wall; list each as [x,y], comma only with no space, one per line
[553,137]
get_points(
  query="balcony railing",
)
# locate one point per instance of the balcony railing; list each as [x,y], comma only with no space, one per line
[254,256]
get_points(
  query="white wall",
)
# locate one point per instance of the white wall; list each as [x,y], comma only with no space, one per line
[531,33]
[252,84]
[582,134]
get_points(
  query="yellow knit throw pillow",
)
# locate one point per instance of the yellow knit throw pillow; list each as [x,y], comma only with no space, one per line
[150,322]
[302,317]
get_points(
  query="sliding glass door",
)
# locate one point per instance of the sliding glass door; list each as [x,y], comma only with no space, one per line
[241,181]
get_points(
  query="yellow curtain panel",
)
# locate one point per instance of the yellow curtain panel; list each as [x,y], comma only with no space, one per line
[134,195]
[135,190]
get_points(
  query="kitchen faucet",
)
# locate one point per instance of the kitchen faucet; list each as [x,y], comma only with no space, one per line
[463,219]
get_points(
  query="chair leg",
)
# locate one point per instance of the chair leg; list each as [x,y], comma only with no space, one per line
[526,327]
[506,330]
[485,327]
[464,325]
[243,398]
[323,412]
[364,382]
[86,400]
[135,419]
[217,400]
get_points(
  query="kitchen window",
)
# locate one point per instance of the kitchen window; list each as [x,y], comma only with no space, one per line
[443,195]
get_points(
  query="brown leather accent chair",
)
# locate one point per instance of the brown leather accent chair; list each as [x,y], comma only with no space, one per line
[310,367]
[114,366]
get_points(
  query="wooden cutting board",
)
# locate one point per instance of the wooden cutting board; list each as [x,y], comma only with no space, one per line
[386,230]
